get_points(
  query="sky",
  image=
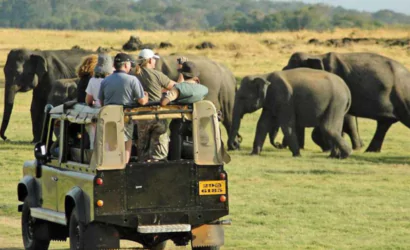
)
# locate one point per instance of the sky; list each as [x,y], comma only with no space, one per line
[402,6]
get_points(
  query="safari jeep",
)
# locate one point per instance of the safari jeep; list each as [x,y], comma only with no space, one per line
[89,194]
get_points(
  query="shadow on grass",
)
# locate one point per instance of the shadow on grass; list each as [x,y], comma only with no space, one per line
[382,159]
[8,142]
[13,145]
[315,172]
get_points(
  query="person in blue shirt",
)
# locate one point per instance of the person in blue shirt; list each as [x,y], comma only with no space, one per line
[120,88]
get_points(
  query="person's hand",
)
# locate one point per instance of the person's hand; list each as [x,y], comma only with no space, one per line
[145,96]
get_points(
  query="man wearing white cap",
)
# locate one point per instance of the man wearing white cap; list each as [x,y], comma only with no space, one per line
[152,80]
[152,135]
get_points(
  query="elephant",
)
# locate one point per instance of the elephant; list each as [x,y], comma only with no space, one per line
[27,70]
[63,90]
[218,78]
[250,97]
[247,101]
[301,98]
[380,86]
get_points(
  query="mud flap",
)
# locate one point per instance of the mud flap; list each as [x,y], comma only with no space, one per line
[207,236]
[101,237]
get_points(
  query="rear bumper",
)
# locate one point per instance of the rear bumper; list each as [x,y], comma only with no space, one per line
[132,220]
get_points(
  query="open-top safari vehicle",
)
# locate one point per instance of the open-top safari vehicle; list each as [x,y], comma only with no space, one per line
[95,198]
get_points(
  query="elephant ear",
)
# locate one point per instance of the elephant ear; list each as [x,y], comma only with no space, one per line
[315,63]
[262,86]
[39,64]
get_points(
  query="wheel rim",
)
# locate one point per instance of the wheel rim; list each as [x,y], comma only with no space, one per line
[28,225]
[77,236]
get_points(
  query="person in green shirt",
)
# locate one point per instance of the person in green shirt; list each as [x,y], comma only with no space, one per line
[153,140]
[188,91]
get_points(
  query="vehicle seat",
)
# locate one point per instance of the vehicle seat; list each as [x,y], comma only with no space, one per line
[76,155]
[181,145]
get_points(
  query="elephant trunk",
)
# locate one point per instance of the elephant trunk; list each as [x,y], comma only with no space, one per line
[9,94]
[236,123]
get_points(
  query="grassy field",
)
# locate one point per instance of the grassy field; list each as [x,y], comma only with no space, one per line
[277,202]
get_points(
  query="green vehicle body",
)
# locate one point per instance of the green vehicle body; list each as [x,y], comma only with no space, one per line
[181,199]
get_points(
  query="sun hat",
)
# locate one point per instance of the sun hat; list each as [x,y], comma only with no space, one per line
[189,70]
[147,54]
[104,64]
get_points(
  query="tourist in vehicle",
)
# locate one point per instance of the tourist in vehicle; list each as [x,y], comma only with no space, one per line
[120,88]
[85,71]
[103,69]
[181,61]
[188,91]
[152,135]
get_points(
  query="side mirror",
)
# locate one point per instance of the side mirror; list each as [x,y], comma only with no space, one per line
[40,152]
[41,157]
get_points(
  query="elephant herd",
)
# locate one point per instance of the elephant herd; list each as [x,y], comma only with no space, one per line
[378,89]
[326,92]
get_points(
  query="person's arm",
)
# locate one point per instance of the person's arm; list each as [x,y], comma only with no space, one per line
[170,85]
[180,78]
[138,92]
[143,100]
[101,94]
[89,99]
[169,96]
[180,61]
[164,80]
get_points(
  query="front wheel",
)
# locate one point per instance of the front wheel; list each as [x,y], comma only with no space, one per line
[28,227]
[76,232]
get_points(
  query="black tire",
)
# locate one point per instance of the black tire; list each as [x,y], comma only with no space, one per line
[160,246]
[28,225]
[76,232]
[206,248]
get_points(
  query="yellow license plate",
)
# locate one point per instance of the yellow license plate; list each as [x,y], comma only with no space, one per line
[212,187]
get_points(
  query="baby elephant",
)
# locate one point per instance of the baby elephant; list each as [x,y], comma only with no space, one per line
[301,98]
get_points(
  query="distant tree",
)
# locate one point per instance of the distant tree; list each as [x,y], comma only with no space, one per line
[237,15]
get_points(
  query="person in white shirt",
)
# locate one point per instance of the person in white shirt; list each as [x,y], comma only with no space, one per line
[103,69]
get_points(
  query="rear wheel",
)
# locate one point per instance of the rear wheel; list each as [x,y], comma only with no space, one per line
[76,232]
[160,246]
[28,227]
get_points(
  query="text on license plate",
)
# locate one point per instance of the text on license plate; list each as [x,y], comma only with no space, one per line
[212,187]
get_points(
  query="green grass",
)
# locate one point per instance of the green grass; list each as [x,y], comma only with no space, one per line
[276,201]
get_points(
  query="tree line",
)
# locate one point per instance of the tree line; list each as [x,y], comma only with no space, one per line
[235,15]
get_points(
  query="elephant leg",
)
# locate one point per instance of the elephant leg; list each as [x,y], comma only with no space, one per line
[350,128]
[300,133]
[378,138]
[226,118]
[333,131]
[289,132]
[285,143]
[288,126]
[272,136]
[262,129]
[320,139]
